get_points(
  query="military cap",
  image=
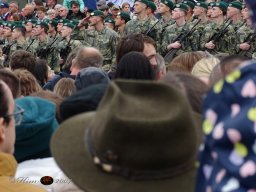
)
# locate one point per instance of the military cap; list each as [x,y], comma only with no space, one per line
[63,21]
[109,20]
[152,5]
[236,5]
[125,16]
[168,3]
[115,7]
[70,25]
[142,1]
[42,24]
[74,22]
[182,6]
[202,4]
[211,4]
[18,25]
[97,13]
[190,4]
[223,6]
[8,25]
[53,23]
[33,21]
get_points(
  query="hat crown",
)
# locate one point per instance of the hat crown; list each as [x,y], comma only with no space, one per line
[146,120]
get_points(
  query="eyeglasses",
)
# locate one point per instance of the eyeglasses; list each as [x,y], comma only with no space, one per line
[18,115]
[61,10]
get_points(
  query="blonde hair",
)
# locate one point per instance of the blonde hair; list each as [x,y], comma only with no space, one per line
[28,83]
[65,87]
[204,67]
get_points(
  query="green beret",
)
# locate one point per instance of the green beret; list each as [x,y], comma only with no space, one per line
[42,24]
[211,4]
[8,24]
[125,16]
[53,23]
[15,26]
[33,21]
[74,22]
[109,20]
[70,25]
[202,4]
[182,6]
[63,21]
[168,3]
[142,1]
[236,5]
[97,13]
[190,4]
[223,6]
[152,5]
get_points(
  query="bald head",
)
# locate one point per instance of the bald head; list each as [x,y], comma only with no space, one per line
[88,57]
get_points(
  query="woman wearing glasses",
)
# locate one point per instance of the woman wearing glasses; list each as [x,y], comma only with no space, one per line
[9,116]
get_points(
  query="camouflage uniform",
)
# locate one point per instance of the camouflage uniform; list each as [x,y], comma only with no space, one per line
[173,31]
[65,47]
[6,48]
[104,40]
[17,46]
[165,24]
[224,46]
[243,34]
[136,26]
[51,56]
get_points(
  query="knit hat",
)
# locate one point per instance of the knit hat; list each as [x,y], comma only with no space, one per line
[34,133]
[89,76]
[82,101]
[227,158]
[168,3]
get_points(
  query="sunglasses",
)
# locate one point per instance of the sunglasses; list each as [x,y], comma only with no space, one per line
[18,115]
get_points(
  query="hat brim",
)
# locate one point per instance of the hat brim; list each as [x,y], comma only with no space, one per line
[70,153]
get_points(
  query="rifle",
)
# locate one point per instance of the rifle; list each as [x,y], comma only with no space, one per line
[151,28]
[6,49]
[249,39]
[30,44]
[64,52]
[181,37]
[218,35]
[42,53]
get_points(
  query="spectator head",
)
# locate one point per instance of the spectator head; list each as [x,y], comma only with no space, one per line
[157,120]
[12,81]
[33,134]
[215,76]
[21,59]
[139,43]
[134,65]
[75,6]
[7,122]
[28,83]
[203,68]
[126,7]
[63,12]
[65,87]
[13,7]
[51,14]
[41,71]
[90,76]
[41,12]
[4,8]
[28,9]
[86,57]
[229,63]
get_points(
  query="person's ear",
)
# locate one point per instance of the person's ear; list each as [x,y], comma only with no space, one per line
[2,130]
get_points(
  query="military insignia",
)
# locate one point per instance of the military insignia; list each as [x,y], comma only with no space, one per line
[178,6]
[92,14]
[217,4]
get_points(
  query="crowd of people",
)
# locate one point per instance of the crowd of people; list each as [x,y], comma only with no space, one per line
[153,96]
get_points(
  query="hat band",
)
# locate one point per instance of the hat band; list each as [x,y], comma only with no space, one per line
[131,174]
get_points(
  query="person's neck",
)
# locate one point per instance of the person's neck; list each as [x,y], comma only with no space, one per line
[42,37]
[99,26]
[142,16]
[167,16]
[53,33]
[21,39]
[219,20]
[203,18]
[9,39]
[235,18]
[121,28]
[68,38]
[181,21]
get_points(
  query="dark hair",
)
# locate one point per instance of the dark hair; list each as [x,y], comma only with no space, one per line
[21,59]
[133,42]
[22,30]
[229,63]
[3,103]
[134,65]
[194,88]
[12,81]
[41,71]
[68,62]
